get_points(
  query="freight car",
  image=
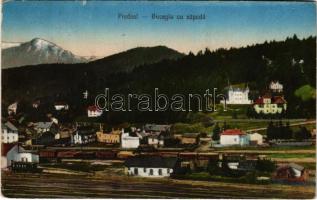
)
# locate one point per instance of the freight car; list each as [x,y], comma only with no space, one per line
[47,156]
[104,155]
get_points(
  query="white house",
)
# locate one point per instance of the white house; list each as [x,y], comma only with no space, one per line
[93,111]
[84,135]
[61,106]
[128,141]
[233,137]
[151,166]
[18,154]
[238,96]
[256,138]
[276,86]
[9,133]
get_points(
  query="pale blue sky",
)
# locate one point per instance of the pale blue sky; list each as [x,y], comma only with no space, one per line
[93,28]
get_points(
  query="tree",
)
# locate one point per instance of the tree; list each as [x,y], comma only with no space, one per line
[270,131]
[216,132]
[225,126]
[265,165]
[302,133]
[288,131]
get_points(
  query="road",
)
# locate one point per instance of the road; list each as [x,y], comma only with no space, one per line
[107,186]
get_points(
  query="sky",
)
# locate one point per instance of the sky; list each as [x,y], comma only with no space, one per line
[92,28]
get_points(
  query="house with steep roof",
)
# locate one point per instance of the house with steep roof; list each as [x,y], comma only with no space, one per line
[233,137]
[17,153]
[9,133]
[269,104]
[151,166]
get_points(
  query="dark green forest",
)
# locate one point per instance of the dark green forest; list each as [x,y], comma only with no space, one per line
[292,62]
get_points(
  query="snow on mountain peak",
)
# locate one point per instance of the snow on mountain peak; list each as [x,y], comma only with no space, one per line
[38,51]
[39,43]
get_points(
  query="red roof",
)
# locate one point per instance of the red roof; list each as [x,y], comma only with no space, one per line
[259,101]
[232,132]
[274,100]
[5,148]
[279,100]
[93,108]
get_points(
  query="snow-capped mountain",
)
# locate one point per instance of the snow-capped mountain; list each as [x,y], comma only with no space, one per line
[5,45]
[37,51]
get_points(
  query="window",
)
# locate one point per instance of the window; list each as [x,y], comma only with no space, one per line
[136,171]
[160,172]
[144,170]
[151,172]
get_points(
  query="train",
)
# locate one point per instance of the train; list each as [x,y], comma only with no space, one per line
[55,155]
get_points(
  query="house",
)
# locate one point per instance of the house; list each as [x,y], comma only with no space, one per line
[64,133]
[109,138]
[156,140]
[84,135]
[190,138]
[9,133]
[129,140]
[270,105]
[276,86]
[256,139]
[61,106]
[238,95]
[233,137]
[291,173]
[42,127]
[12,108]
[63,137]
[19,154]
[151,166]
[93,111]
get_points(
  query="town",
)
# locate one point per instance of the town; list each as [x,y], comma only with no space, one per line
[225,153]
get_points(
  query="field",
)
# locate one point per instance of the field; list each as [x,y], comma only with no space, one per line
[114,186]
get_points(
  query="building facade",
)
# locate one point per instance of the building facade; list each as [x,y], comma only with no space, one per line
[109,138]
[270,105]
[276,86]
[151,166]
[19,154]
[238,96]
[9,133]
[128,141]
[233,137]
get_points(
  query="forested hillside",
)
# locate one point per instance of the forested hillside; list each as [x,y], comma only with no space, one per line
[292,62]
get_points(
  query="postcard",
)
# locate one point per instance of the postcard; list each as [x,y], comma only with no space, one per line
[158,99]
